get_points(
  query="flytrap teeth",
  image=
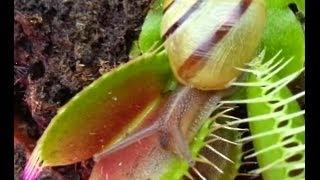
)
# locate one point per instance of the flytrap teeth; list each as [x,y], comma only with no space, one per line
[204,160]
[281,162]
[222,113]
[218,138]
[218,153]
[230,128]
[234,106]
[188,176]
[279,115]
[249,163]
[247,101]
[33,167]
[198,173]
[290,99]
[265,73]
[273,70]
[212,137]
[264,78]
[230,117]
[250,84]
[250,175]
[254,154]
[265,99]
[293,131]
[249,151]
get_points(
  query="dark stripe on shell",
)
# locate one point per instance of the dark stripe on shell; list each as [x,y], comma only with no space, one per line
[180,21]
[195,62]
[166,8]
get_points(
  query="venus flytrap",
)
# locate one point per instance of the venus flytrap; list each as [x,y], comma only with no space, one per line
[102,113]
[173,124]
[150,150]
[150,31]
[275,119]
[219,164]
[284,31]
[294,48]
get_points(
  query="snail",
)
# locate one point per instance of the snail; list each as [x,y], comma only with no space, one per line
[207,39]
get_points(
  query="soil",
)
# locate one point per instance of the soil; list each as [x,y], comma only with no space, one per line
[19,161]
[59,48]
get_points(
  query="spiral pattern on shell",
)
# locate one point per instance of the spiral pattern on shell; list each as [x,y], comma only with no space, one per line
[207,39]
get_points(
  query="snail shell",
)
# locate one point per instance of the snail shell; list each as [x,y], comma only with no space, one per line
[207,39]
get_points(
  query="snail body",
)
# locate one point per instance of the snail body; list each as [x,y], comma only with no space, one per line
[207,39]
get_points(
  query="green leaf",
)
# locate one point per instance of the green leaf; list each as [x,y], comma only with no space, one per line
[180,111]
[103,112]
[284,32]
[150,31]
[275,132]
[145,158]
[210,139]
[275,119]
[141,159]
